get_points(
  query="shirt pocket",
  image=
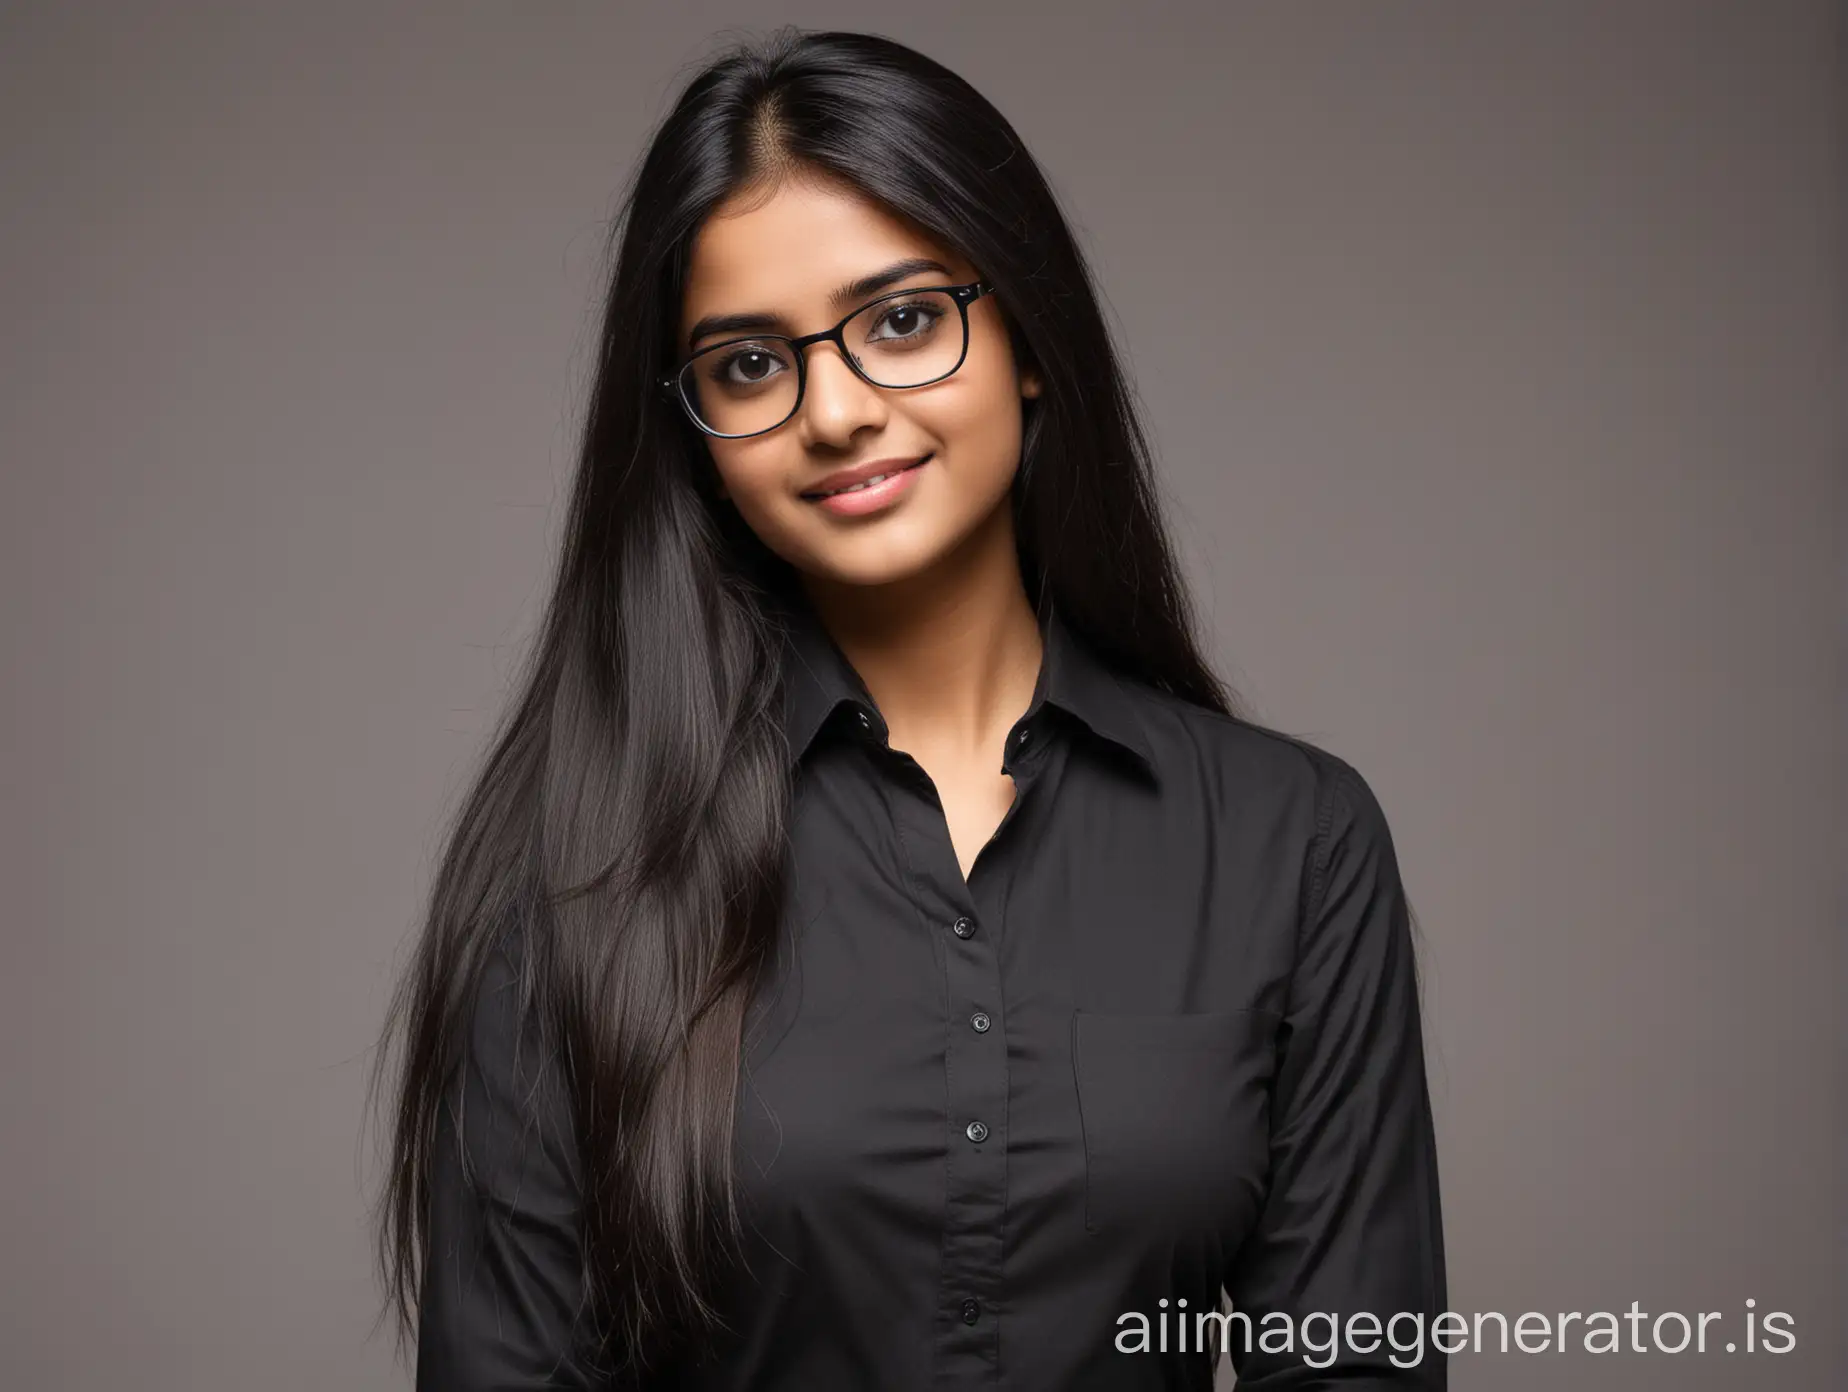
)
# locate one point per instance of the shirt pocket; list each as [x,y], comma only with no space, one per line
[1175,1111]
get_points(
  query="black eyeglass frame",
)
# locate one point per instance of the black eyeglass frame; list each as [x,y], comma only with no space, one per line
[963,295]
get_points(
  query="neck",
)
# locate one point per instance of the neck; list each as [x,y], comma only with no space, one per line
[951,654]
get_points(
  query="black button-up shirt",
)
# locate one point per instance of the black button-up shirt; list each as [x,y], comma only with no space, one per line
[1162,1044]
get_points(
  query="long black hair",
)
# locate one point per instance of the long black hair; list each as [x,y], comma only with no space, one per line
[630,817]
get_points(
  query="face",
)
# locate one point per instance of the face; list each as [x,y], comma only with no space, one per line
[786,256]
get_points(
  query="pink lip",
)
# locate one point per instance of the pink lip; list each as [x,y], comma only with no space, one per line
[880,495]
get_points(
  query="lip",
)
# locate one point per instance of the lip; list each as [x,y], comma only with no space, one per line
[868,499]
[859,473]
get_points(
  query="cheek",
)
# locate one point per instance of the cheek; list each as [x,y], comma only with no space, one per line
[981,434]
[753,483]
[982,418]
[744,474]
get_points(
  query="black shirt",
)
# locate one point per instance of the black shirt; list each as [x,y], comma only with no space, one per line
[1164,1042]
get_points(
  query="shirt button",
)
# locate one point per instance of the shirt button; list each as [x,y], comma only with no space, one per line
[976,1132]
[963,927]
[971,1311]
[979,1022]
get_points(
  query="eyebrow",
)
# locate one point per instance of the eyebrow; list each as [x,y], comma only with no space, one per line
[864,288]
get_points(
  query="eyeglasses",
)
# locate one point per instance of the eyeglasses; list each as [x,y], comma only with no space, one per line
[747,386]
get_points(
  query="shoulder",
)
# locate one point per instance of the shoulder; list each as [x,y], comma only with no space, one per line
[1300,796]
[1243,757]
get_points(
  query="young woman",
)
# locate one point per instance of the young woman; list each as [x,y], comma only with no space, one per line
[876,953]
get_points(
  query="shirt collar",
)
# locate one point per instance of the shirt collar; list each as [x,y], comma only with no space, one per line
[818,679]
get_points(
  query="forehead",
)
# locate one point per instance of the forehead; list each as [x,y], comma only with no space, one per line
[788,251]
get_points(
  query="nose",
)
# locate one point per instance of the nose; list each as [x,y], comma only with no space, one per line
[837,401]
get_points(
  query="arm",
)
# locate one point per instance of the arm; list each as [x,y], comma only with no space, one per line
[1352,1222]
[503,1282]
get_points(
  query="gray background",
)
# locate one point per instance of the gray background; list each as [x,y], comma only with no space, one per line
[1494,354]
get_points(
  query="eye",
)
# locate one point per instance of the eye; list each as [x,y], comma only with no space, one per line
[755,363]
[911,319]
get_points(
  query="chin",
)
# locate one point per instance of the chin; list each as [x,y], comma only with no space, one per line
[876,558]
[869,575]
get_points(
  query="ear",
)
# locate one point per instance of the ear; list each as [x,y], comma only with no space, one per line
[1029,383]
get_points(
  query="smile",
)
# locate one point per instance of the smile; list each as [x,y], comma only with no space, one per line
[864,483]
[869,495]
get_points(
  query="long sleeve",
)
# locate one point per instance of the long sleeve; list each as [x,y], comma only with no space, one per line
[503,1285]
[1352,1222]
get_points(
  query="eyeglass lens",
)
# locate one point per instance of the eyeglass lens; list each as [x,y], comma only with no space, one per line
[748,386]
